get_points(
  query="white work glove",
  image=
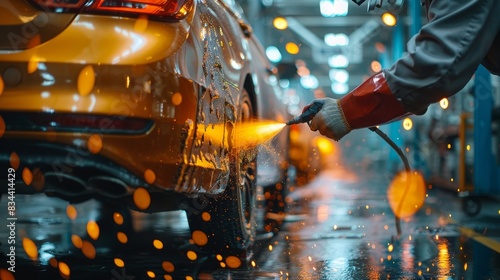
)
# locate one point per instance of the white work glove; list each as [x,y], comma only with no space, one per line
[330,120]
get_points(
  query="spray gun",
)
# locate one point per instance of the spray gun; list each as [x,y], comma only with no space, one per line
[312,109]
[308,113]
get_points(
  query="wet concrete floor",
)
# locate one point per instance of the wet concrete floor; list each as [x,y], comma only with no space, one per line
[339,226]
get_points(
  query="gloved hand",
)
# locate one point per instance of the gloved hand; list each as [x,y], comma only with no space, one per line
[330,120]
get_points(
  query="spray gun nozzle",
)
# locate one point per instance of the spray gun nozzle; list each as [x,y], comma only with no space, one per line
[308,114]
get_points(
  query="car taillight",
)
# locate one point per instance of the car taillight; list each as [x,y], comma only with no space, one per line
[163,9]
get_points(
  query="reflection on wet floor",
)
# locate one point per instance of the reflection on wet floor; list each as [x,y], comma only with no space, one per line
[338,227]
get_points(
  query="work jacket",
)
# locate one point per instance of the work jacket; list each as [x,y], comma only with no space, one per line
[459,36]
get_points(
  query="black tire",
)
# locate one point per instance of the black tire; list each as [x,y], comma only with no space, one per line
[471,206]
[231,226]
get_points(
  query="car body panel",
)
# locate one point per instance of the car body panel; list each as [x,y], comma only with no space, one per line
[186,76]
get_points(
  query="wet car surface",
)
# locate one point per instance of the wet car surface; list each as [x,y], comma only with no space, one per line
[141,104]
[339,226]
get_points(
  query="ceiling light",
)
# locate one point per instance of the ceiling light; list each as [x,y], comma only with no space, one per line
[292,48]
[389,19]
[340,88]
[332,8]
[339,75]
[280,23]
[309,82]
[340,39]
[338,61]
[274,54]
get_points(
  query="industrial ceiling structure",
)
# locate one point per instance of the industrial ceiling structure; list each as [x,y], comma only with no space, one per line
[309,21]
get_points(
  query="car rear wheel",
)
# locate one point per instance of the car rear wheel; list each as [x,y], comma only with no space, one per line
[228,220]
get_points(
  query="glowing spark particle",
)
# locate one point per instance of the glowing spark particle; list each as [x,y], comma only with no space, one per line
[53,262]
[222,264]
[27,176]
[167,277]
[88,249]
[151,274]
[310,258]
[389,257]
[219,257]
[168,266]
[30,248]
[119,262]
[93,230]
[118,218]
[206,216]
[77,241]
[367,206]
[191,255]
[142,199]
[270,247]
[122,237]
[149,176]
[64,269]
[199,238]
[71,212]
[189,278]
[233,262]
[465,266]
[386,227]
[253,264]
[14,160]
[158,244]
[390,248]
[94,143]
[176,99]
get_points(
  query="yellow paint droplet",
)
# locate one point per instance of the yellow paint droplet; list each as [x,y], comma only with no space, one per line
[142,199]
[86,80]
[233,262]
[167,277]
[2,126]
[32,65]
[64,269]
[149,176]
[77,241]
[1,85]
[93,229]
[122,237]
[118,218]
[151,274]
[141,24]
[94,144]
[219,257]
[53,262]
[119,262]
[14,160]
[191,255]
[199,238]
[206,216]
[176,99]
[30,248]
[88,249]
[168,266]
[158,244]
[71,212]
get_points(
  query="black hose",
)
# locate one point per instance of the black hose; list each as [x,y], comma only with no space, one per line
[407,168]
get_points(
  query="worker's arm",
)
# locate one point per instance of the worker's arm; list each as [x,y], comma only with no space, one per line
[441,59]
[446,52]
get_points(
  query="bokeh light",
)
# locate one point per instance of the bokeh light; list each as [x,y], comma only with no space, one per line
[406,194]
[292,48]
[280,23]
[142,199]
[389,19]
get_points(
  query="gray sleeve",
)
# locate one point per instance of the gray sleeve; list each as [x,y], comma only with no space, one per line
[444,55]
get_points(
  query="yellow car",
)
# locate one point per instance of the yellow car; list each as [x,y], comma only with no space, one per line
[137,102]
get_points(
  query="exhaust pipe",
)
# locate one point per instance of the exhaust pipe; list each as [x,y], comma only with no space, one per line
[65,184]
[109,186]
